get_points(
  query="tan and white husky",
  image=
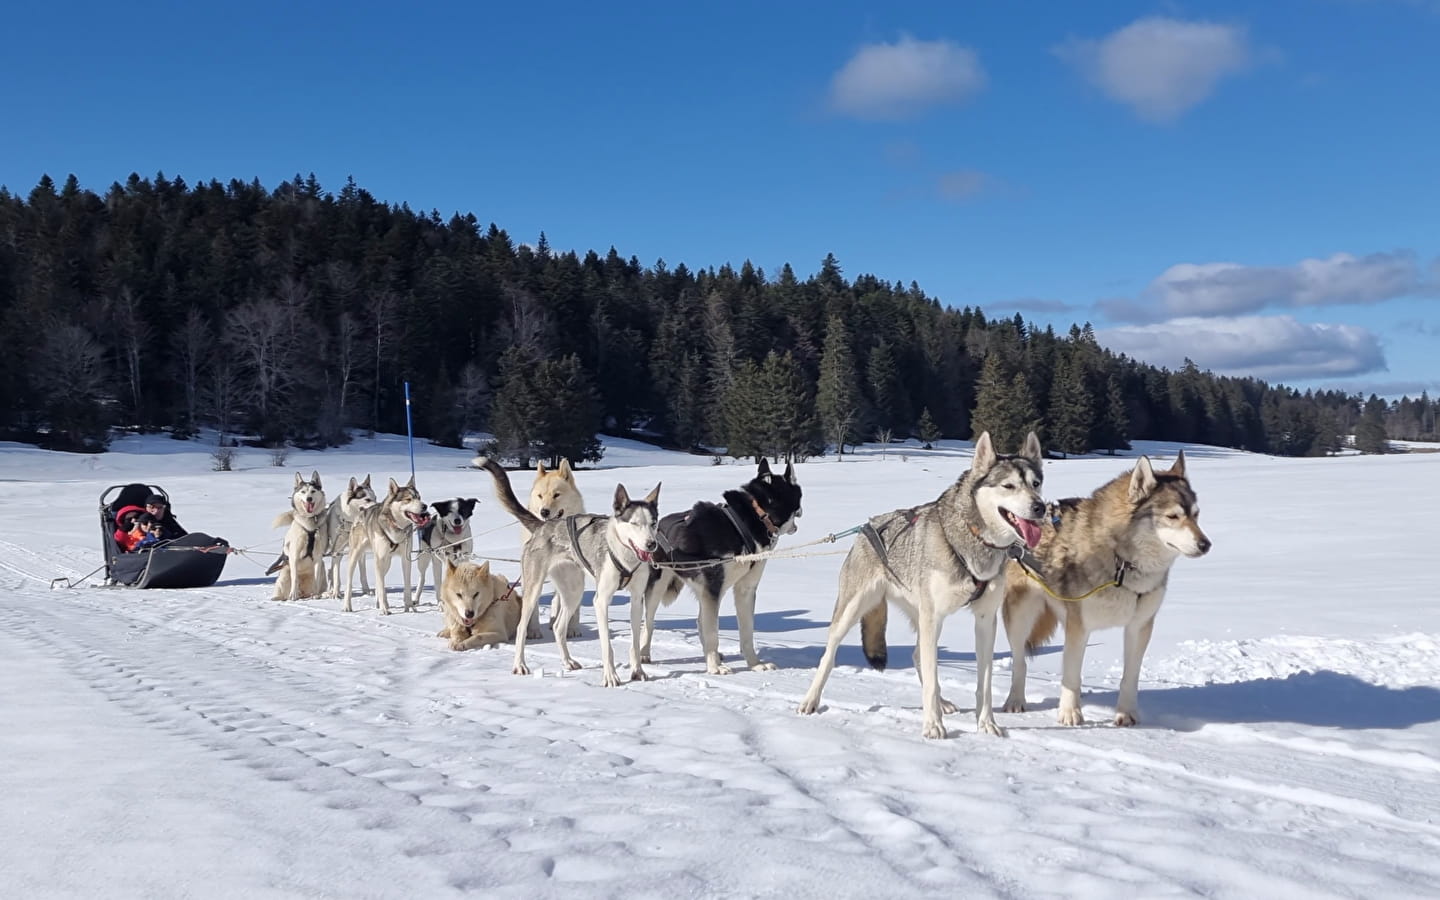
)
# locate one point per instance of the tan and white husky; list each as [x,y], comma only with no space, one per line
[481,609]
[1127,534]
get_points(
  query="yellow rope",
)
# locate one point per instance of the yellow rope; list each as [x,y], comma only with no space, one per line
[1040,581]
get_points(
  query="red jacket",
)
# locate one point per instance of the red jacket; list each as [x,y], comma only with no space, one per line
[123,537]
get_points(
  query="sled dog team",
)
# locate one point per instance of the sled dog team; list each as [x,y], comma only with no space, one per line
[989,543]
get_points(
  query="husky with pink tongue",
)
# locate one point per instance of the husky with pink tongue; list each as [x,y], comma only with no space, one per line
[933,560]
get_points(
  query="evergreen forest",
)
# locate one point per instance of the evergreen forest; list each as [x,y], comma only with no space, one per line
[292,316]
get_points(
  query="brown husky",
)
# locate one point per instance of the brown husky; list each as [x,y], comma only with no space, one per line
[1124,536]
[480,607]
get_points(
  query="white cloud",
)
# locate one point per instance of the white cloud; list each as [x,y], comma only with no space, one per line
[1160,67]
[1274,348]
[1228,289]
[1035,305]
[901,80]
[962,184]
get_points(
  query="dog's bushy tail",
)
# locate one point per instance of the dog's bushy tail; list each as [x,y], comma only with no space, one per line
[1041,631]
[872,635]
[505,494]
[1045,622]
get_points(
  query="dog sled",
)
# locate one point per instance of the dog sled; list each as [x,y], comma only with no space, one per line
[192,560]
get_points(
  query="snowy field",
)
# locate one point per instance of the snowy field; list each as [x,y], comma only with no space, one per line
[213,743]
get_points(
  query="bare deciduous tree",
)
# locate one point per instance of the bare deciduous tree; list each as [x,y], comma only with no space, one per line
[884,436]
[384,308]
[528,325]
[220,394]
[131,334]
[472,397]
[192,353]
[71,379]
[260,335]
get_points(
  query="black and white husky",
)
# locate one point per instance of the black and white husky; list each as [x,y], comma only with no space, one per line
[611,549]
[751,519]
[445,537]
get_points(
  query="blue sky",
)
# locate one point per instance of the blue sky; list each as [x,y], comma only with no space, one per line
[1254,185]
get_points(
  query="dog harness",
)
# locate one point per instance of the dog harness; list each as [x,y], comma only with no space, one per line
[751,545]
[912,515]
[309,533]
[574,531]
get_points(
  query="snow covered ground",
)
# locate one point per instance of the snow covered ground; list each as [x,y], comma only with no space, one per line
[213,743]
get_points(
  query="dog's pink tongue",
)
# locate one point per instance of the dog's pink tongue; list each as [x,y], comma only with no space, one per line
[1029,532]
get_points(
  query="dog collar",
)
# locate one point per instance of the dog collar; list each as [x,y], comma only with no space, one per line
[765,519]
[981,538]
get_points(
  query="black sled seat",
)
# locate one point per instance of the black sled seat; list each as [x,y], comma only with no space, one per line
[192,560]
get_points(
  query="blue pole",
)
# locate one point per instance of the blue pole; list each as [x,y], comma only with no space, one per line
[409,431]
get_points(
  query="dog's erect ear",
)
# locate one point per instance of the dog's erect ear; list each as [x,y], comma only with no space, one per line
[984,454]
[484,570]
[790,472]
[411,482]
[763,470]
[315,477]
[394,487]
[366,482]
[449,568]
[353,484]
[653,496]
[1179,467]
[299,479]
[622,498]
[467,506]
[1142,479]
[540,470]
[1031,450]
[565,471]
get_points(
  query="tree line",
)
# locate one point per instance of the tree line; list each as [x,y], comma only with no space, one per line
[293,315]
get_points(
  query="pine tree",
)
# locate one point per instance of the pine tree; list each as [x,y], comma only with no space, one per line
[1071,414]
[884,380]
[992,397]
[770,411]
[1022,417]
[1370,434]
[517,408]
[1113,431]
[566,424]
[837,401]
[927,430]
[744,426]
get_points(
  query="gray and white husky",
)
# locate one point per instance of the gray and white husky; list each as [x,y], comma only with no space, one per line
[612,549]
[303,554]
[340,517]
[384,530]
[933,560]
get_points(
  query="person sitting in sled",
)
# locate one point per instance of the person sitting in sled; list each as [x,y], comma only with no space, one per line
[157,506]
[138,530]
